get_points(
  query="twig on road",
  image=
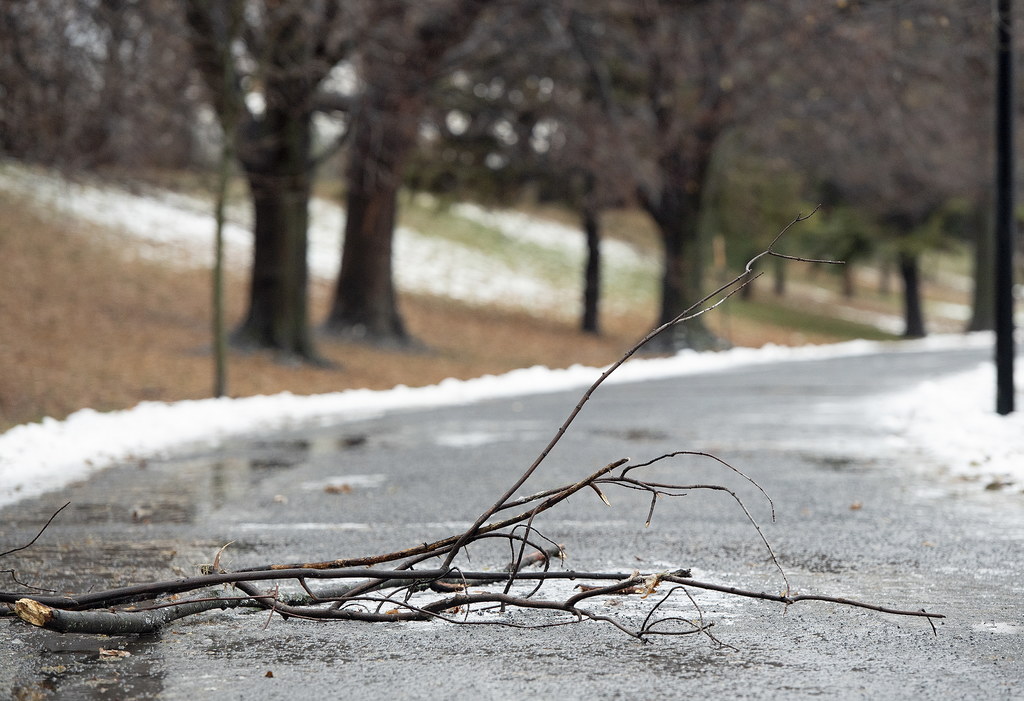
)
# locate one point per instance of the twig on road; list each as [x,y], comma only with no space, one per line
[404,593]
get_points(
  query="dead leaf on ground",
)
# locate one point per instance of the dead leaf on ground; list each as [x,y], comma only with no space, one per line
[113,654]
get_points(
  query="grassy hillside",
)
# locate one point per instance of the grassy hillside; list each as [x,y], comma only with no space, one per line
[87,323]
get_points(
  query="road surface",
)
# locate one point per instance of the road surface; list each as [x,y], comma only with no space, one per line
[859,514]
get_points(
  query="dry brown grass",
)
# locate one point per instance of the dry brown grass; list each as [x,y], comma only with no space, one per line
[85,324]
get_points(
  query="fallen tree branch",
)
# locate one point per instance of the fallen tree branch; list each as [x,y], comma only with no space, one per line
[133,621]
[109,622]
[360,591]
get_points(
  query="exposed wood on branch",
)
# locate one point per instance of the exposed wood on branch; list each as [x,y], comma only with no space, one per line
[109,622]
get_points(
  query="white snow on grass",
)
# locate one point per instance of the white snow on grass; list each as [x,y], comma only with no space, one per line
[950,415]
[178,228]
[550,234]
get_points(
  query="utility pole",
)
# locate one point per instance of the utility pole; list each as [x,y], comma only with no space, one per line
[1004,219]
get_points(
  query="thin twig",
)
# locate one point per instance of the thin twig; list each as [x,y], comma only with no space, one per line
[385,595]
[45,526]
[693,311]
[795,598]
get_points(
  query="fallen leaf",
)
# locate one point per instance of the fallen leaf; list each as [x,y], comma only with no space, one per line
[651,583]
[856,506]
[216,558]
[269,674]
[338,489]
[114,654]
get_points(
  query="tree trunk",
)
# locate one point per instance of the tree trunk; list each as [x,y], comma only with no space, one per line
[779,280]
[402,58]
[676,214]
[220,351]
[747,291]
[283,54]
[983,308]
[885,277]
[365,306]
[913,314]
[848,283]
[592,272]
[279,180]
[278,315]
[682,285]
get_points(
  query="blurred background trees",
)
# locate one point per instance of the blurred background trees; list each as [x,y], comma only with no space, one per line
[97,84]
[719,119]
[264,65]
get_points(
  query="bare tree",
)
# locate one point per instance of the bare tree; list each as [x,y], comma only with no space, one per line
[682,53]
[898,126]
[595,148]
[677,77]
[90,85]
[403,52]
[279,54]
[524,119]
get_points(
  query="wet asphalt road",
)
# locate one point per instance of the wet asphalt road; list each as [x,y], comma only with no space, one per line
[859,514]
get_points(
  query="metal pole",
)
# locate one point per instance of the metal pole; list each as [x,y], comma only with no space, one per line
[1004,219]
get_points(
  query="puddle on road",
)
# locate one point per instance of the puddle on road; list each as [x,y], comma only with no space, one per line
[75,666]
[317,445]
[307,526]
[187,490]
[997,627]
[473,434]
[344,483]
[642,434]
[184,490]
[471,439]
